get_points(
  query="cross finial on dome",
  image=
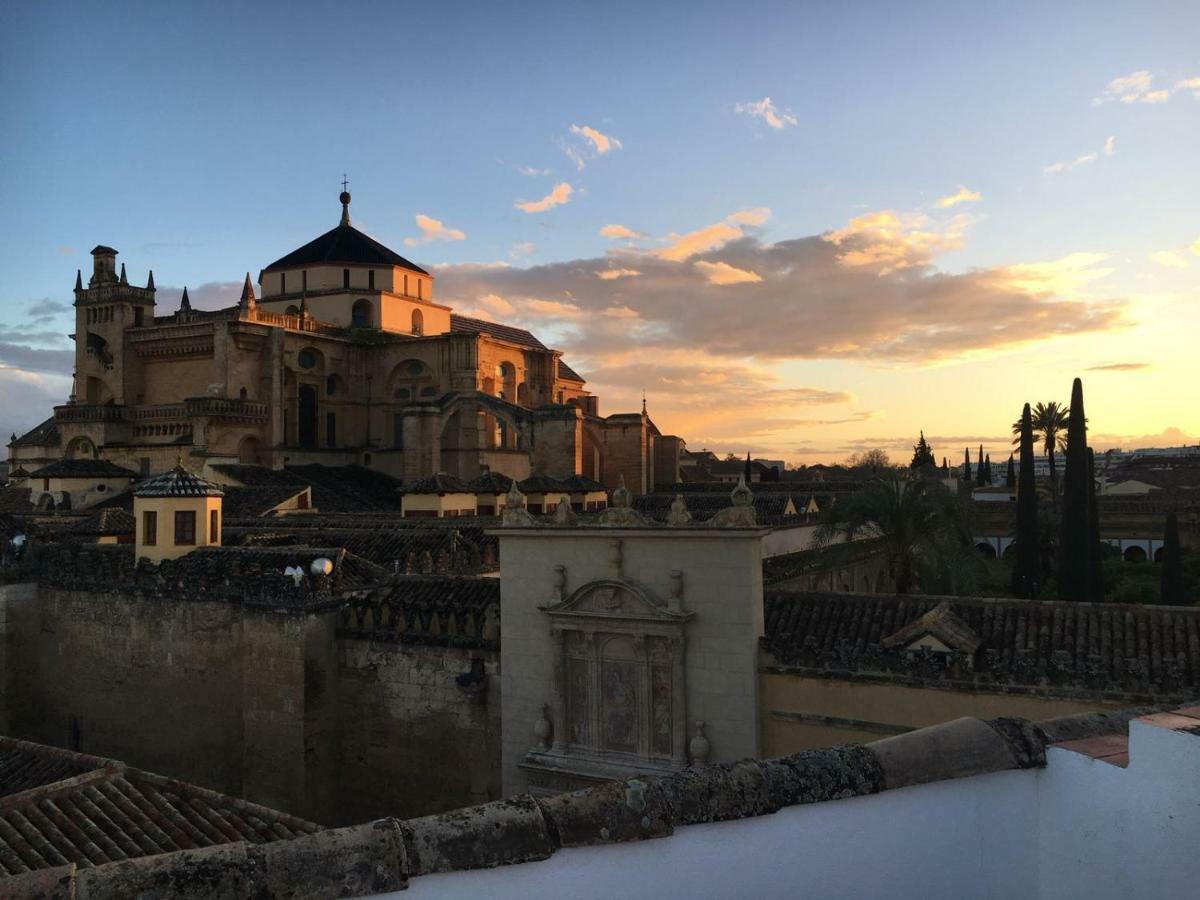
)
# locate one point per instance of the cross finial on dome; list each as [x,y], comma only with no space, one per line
[345,199]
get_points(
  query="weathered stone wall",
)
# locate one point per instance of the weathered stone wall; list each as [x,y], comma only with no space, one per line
[271,707]
[411,740]
[150,682]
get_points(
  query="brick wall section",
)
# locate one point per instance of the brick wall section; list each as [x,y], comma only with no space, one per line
[412,741]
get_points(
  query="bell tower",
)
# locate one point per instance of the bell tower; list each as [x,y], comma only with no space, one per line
[103,311]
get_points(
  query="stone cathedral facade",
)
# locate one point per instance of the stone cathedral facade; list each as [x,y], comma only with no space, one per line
[341,356]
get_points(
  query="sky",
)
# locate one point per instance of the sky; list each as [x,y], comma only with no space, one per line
[802,229]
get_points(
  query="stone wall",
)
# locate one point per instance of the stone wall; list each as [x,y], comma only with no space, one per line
[259,704]
[412,740]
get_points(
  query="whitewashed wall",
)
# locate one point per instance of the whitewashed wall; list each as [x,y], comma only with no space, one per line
[1079,828]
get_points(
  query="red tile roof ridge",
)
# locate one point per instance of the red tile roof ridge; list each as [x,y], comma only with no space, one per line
[48,791]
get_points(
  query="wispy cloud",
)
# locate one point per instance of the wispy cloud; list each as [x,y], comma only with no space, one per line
[559,194]
[1189,84]
[530,171]
[1171,259]
[47,308]
[1120,367]
[720,273]
[1136,87]
[619,232]
[613,274]
[433,230]
[66,250]
[962,195]
[1110,145]
[1068,165]
[522,248]
[766,110]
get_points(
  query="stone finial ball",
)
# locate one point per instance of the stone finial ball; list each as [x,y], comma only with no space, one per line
[345,198]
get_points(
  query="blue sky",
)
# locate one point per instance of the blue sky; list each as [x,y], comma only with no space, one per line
[205,142]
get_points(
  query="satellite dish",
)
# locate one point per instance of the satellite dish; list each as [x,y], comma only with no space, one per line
[295,573]
[322,566]
[18,541]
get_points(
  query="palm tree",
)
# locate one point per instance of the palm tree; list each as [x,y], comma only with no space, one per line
[919,525]
[1050,425]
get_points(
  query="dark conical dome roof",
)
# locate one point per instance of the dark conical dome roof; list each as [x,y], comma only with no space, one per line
[178,482]
[344,244]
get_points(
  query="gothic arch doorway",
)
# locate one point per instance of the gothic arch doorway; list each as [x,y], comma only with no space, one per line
[306,417]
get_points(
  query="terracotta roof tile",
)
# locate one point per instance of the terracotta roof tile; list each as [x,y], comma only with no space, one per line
[518,336]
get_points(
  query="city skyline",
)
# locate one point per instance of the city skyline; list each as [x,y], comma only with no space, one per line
[802,234]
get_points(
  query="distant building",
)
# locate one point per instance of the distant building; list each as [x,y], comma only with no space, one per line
[341,356]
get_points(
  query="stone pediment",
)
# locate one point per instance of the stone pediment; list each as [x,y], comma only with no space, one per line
[615,599]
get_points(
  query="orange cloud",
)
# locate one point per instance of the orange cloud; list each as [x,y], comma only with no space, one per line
[720,273]
[433,230]
[560,194]
[618,232]
[610,274]
[962,195]
[602,142]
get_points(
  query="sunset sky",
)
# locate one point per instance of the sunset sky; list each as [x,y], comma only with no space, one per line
[802,230]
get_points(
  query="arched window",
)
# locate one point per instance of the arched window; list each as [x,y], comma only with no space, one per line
[418,322]
[242,394]
[360,314]
[292,310]
[507,373]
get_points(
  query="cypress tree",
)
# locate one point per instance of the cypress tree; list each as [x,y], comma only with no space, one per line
[945,467]
[1010,479]
[987,464]
[1172,565]
[1028,569]
[1097,558]
[1075,540]
[979,473]
[967,464]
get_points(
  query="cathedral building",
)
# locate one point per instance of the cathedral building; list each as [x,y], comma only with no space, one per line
[341,356]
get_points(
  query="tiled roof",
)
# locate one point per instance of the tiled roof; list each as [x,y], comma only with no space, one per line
[566,373]
[577,483]
[540,484]
[343,244]
[105,522]
[518,336]
[250,574]
[454,611]
[45,434]
[440,483]
[251,502]
[83,468]
[1148,650]
[260,476]
[490,483]
[60,808]
[178,482]
[349,488]
[398,546]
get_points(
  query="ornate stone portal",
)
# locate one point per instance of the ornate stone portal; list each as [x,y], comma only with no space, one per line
[619,704]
